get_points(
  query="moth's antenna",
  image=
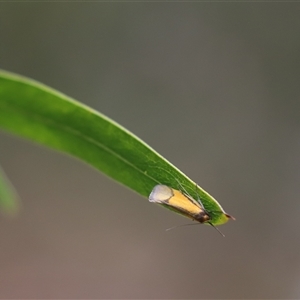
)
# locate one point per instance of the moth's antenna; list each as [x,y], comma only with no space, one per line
[195,224]
[182,226]
[223,235]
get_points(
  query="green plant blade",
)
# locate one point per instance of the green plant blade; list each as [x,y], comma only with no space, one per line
[9,200]
[41,114]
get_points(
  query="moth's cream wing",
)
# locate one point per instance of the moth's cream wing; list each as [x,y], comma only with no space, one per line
[161,194]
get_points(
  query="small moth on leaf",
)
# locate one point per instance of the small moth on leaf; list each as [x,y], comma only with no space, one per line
[183,204]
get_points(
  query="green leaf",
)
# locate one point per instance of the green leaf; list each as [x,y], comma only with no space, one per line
[9,200]
[39,113]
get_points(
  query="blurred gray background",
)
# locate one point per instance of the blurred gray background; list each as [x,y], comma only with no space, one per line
[213,87]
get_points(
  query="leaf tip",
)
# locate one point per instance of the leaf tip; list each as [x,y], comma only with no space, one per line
[230,217]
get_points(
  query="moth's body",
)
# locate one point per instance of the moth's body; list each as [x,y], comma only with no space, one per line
[183,204]
[179,202]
